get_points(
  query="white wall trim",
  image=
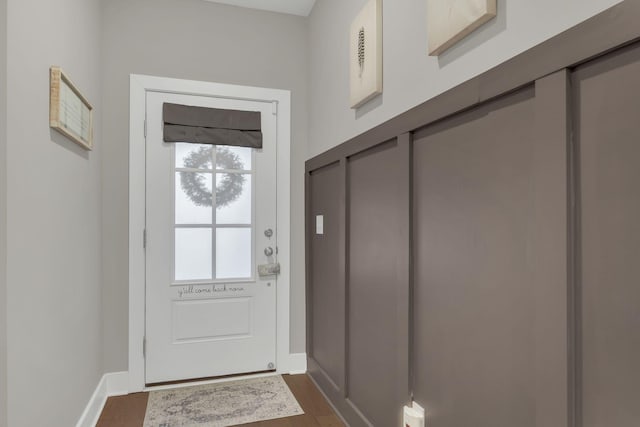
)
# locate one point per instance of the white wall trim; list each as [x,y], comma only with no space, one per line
[111,384]
[91,413]
[139,86]
[117,384]
[298,363]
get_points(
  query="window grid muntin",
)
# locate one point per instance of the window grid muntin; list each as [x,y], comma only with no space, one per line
[213,226]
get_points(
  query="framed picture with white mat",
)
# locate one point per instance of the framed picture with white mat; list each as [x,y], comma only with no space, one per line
[449,21]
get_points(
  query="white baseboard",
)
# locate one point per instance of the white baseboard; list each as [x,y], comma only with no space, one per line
[91,413]
[297,363]
[111,384]
[117,384]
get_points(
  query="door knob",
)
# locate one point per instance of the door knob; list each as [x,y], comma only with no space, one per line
[268,251]
[268,233]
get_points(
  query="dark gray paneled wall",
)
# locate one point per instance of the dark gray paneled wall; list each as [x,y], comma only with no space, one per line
[378,281]
[607,112]
[522,279]
[358,299]
[474,299]
[327,300]
[478,238]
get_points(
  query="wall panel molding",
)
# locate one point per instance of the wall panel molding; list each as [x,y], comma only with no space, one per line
[553,288]
[476,305]
[605,95]
[326,279]
[378,281]
[546,202]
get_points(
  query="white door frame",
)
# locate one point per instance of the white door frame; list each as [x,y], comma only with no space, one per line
[281,101]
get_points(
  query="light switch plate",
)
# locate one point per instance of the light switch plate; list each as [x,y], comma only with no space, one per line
[319,224]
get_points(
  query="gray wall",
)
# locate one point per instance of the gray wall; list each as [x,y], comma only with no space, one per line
[410,75]
[3,213]
[53,218]
[192,39]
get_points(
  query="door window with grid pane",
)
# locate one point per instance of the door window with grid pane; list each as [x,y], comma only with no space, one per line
[213,213]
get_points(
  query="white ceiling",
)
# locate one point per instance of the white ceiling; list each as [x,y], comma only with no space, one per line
[293,7]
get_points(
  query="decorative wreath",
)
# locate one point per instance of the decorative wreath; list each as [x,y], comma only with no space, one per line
[227,190]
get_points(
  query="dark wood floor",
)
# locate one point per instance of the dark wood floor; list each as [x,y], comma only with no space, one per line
[128,411]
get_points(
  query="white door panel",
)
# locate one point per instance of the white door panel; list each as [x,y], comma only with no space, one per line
[208,313]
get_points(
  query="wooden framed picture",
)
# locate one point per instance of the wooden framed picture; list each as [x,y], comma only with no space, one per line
[70,113]
[366,54]
[449,21]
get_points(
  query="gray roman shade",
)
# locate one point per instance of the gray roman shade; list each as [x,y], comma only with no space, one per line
[201,125]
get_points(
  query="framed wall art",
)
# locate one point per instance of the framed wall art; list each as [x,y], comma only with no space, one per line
[70,113]
[365,41]
[449,21]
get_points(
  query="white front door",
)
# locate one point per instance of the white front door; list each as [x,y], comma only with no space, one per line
[210,220]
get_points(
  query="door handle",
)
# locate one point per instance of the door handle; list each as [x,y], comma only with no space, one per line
[268,251]
[265,270]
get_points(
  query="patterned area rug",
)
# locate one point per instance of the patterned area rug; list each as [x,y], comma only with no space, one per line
[222,404]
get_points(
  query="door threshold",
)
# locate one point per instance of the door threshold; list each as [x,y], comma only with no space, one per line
[210,380]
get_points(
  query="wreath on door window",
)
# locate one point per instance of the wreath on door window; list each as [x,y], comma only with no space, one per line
[228,189]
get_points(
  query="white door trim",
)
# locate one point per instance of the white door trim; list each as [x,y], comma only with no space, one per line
[139,86]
